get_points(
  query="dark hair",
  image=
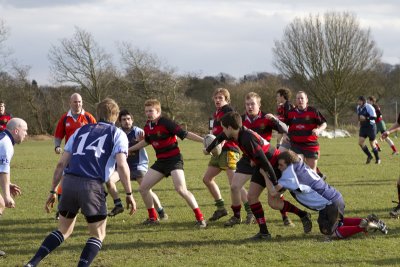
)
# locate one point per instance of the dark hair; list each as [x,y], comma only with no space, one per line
[362,98]
[232,119]
[285,92]
[124,112]
[289,157]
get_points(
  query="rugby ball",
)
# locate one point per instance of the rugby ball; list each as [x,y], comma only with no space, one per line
[208,140]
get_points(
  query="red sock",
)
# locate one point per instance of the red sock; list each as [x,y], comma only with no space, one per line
[346,231]
[283,213]
[289,207]
[198,214]
[236,210]
[393,148]
[351,221]
[152,214]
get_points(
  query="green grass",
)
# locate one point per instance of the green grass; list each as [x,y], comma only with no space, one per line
[366,189]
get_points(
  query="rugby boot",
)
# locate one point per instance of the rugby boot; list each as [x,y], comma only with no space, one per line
[218,214]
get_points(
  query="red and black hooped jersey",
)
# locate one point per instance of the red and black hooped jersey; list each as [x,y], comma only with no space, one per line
[217,128]
[301,123]
[283,110]
[259,150]
[4,119]
[378,113]
[161,134]
[260,124]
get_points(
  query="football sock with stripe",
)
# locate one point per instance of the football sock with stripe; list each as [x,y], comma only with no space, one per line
[152,214]
[220,204]
[346,231]
[50,243]
[89,252]
[160,212]
[258,212]
[118,202]
[351,221]
[247,207]
[289,207]
[283,213]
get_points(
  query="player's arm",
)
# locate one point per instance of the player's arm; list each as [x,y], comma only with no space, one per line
[194,137]
[141,144]
[57,175]
[279,125]
[395,127]
[5,186]
[218,140]
[59,134]
[266,166]
[123,172]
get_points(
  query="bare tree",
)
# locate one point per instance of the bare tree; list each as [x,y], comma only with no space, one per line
[330,57]
[80,61]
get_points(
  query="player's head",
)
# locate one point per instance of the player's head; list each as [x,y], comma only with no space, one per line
[253,103]
[75,103]
[221,97]
[2,107]
[18,129]
[231,122]
[283,94]
[371,99]
[125,118]
[301,100]
[152,109]
[361,100]
[107,110]
[286,158]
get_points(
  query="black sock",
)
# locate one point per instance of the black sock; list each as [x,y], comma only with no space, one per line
[50,243]
[376,153]
[89,252]
[118,202]
[366,151]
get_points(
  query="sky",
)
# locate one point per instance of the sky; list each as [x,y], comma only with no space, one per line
[203,37]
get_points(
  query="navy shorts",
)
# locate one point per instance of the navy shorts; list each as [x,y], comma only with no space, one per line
[85,194]
[330,217]
[369,132]
[137,174]
[166,166]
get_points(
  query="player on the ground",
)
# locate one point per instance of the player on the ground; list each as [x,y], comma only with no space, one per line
[67,125]
[137,162]
[395,213]
[380,125]
[161,133]
[366,116]
[88,161]
[263,156]
[311,191]
[14,133]
[263,124]
[226,161]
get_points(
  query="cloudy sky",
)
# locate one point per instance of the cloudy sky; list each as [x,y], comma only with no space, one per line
[198,36]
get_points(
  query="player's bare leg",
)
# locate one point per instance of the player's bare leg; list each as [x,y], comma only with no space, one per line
[151,178]
[209,181]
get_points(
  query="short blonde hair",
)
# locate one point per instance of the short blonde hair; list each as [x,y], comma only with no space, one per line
[254,95]
[153,103]
[224,92]
[107,110]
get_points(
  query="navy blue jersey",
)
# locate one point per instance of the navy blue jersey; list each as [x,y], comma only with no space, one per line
[368,111]
[139,160]
[93,148]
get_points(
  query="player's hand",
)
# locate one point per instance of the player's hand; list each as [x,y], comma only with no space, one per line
[362,118]
[271,117]
[130,204]
[15,190]
[140,136]
[316,131]
[50,202]
[384,135]
[131,152]
[9,202]
[58,150]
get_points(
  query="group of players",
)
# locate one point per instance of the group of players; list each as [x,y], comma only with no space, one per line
[94,150]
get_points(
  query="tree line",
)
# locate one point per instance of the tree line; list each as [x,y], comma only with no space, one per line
[330,57]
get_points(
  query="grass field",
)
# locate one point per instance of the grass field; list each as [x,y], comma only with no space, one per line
[366,189]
